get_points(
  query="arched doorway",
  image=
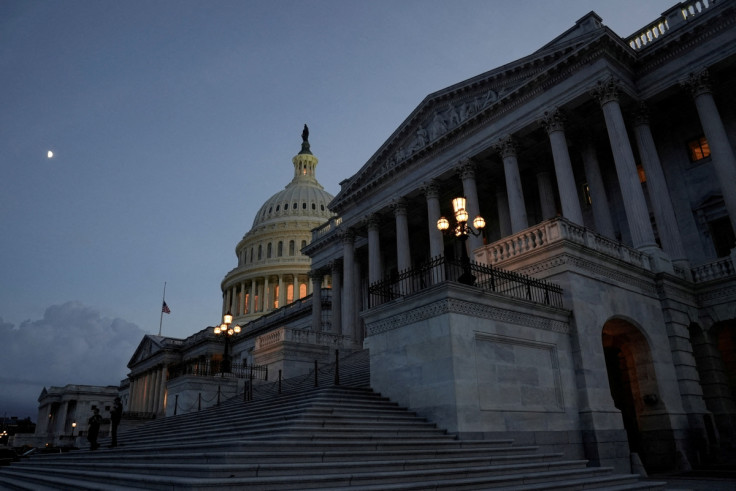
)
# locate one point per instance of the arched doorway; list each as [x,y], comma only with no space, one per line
[633,383]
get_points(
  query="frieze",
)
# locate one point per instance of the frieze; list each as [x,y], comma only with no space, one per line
[456,306]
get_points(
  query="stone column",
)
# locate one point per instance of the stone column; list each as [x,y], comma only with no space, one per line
[156,390]
[504,217]
[635,204]
[403,251]
[598,197]
[349,294]
[722,154]
[546,195]
[375,268]
[253,295]
[316,301]
[336,298]
[282,292]
[467,174]
[357,302]
[242,298]
[266,295]
[229,300]
[131,394]
[659,195]
[554,123]
[432,193]
[517,208]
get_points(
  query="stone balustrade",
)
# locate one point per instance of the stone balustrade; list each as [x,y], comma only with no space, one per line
[554,230]
[302,336]
[721,268]
[682,12]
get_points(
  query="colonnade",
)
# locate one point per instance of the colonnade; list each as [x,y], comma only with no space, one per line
[148,391]
[511,205]
[265,293]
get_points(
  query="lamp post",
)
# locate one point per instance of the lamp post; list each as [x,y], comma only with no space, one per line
[461,230]
[225,330]
[74,427]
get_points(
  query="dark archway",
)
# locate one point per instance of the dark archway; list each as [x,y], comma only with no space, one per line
[633,383]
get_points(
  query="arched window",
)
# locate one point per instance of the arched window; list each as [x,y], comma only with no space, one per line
[322,207]
[280,251]
[268,251]
[286,206]
[304,205]
[291,247]
[260,250]
[277,207]
[314,206]
[251,254]
[304,244]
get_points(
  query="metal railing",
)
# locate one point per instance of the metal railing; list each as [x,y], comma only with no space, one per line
[351,370]
[485,277]
[211,368]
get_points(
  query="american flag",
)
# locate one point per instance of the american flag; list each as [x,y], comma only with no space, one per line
[165,309]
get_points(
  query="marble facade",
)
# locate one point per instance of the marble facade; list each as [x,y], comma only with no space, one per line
[601,164]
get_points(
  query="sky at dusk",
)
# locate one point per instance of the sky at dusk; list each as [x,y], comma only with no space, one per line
[172,121]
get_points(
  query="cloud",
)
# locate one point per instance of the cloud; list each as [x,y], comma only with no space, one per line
[72,344]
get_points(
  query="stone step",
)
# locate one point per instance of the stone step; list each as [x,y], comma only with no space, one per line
[464,478]
[492,455]
[328,438]
[221,470]
[326,448]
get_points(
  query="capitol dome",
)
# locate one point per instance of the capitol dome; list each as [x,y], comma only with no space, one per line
[272,271]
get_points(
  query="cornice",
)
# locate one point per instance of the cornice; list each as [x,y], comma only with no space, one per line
[601,272]
[455,306]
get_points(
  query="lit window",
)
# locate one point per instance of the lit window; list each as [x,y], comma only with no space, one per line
[699,149]
[642,174]
[586,194]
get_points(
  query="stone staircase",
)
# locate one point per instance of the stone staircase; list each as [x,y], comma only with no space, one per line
[329,437]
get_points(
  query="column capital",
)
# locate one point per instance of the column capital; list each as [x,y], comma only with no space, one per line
[697,82]
[373,221]
[606,91]
[642,114]
[431,189]
[466,169]
[399,206]
[335,265]
[553,120]
[347,236]
[506,146]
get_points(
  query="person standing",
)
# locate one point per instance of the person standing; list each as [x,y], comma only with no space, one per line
[116,414]
[93,429]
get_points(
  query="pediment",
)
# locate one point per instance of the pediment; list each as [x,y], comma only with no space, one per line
[460,108]
[148,346]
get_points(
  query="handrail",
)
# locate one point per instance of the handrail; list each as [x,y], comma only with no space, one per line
[488,278]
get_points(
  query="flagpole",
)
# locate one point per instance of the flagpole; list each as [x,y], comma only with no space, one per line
[163,301]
